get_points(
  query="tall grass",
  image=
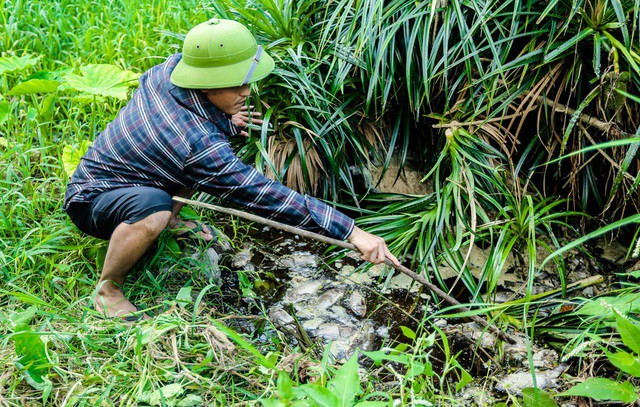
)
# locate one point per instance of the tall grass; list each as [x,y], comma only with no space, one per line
[485,95]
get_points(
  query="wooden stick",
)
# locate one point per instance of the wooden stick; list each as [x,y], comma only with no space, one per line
[304,233]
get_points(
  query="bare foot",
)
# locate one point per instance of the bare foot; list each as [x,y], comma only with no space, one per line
[188,227]
[113,304]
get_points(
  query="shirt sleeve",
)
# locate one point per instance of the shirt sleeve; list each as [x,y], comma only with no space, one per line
[214,168]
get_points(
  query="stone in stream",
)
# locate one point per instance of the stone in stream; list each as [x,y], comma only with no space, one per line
[281,319]
[303,292]
[328,331]
[328,298]
[242,259]
[340,315]
[209,264]
[312,324]
[357,304]
[304,263]
[514,383]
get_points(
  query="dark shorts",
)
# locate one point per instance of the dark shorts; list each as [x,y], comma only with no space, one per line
[101,216]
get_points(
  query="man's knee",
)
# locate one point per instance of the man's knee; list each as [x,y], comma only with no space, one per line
[155,223]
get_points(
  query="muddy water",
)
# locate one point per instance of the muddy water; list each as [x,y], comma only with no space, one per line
[336,303]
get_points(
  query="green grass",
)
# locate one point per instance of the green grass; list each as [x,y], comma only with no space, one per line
[356,82]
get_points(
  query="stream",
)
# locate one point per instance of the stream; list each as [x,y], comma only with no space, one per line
[347,307]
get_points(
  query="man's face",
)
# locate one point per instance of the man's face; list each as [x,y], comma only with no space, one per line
[229,100]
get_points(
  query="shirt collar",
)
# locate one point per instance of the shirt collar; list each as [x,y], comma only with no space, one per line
[196,102]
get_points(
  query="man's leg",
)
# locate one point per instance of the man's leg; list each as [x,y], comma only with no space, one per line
[127,245]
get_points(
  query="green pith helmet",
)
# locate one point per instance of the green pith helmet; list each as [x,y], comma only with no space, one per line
[220,54]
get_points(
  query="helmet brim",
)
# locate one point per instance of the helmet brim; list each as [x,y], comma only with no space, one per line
[227,76]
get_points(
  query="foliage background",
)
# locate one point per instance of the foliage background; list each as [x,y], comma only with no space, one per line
[483,96]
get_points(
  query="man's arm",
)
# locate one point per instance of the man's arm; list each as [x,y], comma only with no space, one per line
[214,168]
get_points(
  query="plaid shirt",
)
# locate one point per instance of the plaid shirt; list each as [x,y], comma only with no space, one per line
[170,137]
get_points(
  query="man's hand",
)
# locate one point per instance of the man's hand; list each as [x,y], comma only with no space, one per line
[372,247]
[241,119]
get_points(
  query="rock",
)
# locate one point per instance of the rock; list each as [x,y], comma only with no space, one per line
[223,244]
[328,298]
[340,315]
[339,349]
[302,263]
[404,282]
[353,277]
[474,334]
[328,331]
[440,323]
[357,304]
[376,270]
[514,383]
[383,331]
[545,358]
[503,296]
[209,261]
[282,320]
[396,179]
[312,324]
[303,292]
[241,259]
[515,354]
[475,396]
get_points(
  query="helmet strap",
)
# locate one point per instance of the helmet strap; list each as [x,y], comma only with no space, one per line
[254,64]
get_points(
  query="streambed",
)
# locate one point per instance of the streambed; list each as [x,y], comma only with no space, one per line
[337,303]
[347,307]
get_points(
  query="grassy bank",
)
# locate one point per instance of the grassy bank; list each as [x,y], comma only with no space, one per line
[356,85]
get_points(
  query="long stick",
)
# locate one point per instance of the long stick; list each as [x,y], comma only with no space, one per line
[347,245]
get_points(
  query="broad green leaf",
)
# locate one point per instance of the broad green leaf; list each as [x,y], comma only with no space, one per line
[603,389]
[285,385]
[190,401]
[103,80]
[346,383]
[374,404]
[174,248]
[188,213]
[57,75]
[408,332]
[465,377]
[101,255]
[31,359]
[85,99]
[31,113]
[417,368]
[184,296]
[626,362]
[170,391]
[320,395]
[47,107]
[379,355]
[13,63]
[34,86]
[534,397]
[603,306]
[272,403]
[5,111]
[629,332]
[4,143]
[71,155]
[24,317]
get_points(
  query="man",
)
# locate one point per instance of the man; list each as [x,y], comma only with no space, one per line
[172,137]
